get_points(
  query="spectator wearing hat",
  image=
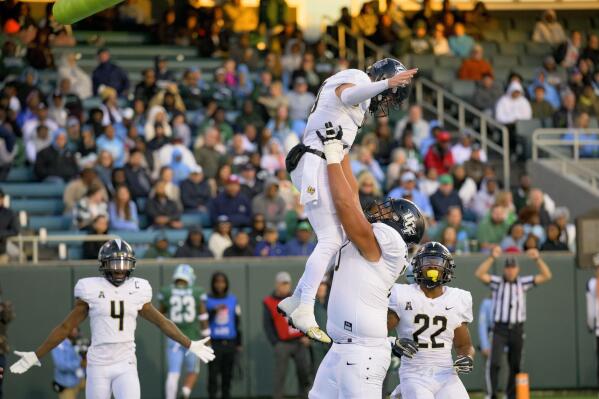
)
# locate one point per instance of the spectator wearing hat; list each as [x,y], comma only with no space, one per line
[99,226]
[300,100]
[270,204]
[287,342]
[160,249]
[486,93]
[419,126]
[549,30]
[232,203]
[408,185]
[39,118]
[194,245]
[492,228]
[445,197]
[439,154]
[162,211]
[513,106]
[220,239]
[270,245]
[509,314]
[56,162]
[109,74]
[475,67]
[303,242]
[241,246]
[113,144]
[9,226]
[137,175]
[196,193]
[460,43]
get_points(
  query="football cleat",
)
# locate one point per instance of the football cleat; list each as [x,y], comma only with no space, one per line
[303,319]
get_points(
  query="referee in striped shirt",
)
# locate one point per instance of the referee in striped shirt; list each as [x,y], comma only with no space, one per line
[509,314]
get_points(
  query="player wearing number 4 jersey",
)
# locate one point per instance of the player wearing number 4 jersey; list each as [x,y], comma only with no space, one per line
[340,106]
[112,303]
[181,302]
[430,319]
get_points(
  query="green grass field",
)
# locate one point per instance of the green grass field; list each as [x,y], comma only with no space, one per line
[551,394]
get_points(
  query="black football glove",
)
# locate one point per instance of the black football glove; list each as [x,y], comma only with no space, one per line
[463,364]
[330,133]
[404,347]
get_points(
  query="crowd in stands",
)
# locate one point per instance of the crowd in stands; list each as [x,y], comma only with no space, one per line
[162,145]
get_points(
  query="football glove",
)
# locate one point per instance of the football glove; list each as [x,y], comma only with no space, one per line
[463,364]
[404,347]
[28,360]
[201,350]
[331,140]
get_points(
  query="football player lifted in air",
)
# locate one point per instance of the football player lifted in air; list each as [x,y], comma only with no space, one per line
[112,303]
[341,105]
[431,318]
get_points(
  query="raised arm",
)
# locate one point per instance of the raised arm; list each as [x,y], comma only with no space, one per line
[57,335]
[482,272]
[351,94]
[544,274]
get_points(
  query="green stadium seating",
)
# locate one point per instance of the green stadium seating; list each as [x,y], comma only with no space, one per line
[524,23]
[528,73]
[494,35]
[108,38]
[526,127]
[489,48]
[530,60]
[505,61]
[581,24]
[537,48]
[517,36]
[501,74]
[195,219]
[444,76]
[50,222]
[147,52]
[449,62]
[463,89]
[20,174]
[511,48]
[47,206]
[425,62]
[33,190]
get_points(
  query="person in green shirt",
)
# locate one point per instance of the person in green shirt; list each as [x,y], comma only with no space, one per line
[160,248]
[182,303]
[492,228]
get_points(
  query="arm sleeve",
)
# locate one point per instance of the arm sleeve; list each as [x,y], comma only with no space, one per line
[591,298]
[80,291]
[269,327]
[364,91]
[145,293]
[484,325]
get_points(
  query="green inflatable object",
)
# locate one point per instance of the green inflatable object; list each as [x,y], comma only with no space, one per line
[68,12]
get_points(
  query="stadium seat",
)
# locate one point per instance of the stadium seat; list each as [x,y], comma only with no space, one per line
[581,24]
[75,252]
[136,237]
[527,60]
[517,36]
[424,63]
[91,102]
[463,89]
[494,36]
[176,236]
[501,74]
[511,48]
[45,206]
[449,62]
[33,190]
[20,174]
[444,75]
[50,222]
[489,49]
[505,61]
[524,23]
[528,73]
[195,219]
[526,127]
[108,38]
[541,49]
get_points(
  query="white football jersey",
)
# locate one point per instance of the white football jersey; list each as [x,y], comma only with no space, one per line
[329,108]
[430,322]
[113,316]
[360,290]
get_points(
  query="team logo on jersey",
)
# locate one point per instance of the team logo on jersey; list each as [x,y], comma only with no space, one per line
[136,284]
[101,294]
[311,190]
[347,326]
[408,306]
[409,224]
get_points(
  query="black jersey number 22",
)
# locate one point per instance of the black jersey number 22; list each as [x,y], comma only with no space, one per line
[425,320]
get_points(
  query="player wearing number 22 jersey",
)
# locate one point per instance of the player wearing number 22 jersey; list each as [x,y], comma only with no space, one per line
[182,302]
[431,319]
[112,303]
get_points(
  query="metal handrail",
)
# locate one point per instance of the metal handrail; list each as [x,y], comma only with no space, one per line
[37,239]
[439,93]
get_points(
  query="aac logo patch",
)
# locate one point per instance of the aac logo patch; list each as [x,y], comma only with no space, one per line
[408,306]
[311,190]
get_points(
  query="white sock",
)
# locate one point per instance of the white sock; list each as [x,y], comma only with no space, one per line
[186,392]
[172,381]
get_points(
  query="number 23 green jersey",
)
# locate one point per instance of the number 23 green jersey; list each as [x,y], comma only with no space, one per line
[182,307]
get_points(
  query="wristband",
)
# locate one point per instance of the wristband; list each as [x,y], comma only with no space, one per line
[333,152]
[206,332]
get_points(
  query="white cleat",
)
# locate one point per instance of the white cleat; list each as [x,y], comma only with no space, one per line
[303,319]
[288,305]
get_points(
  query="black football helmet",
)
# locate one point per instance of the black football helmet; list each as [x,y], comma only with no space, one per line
[433,255]
[116,256]
[401,214]
[390,98]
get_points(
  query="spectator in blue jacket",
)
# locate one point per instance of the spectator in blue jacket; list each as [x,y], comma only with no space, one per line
[224,315]
[270,246]
[408,185]
[551,93]
[460,43]
[303,243]
[196,194]
[68,367]
[122,211]
[109,74]
[113,144]
[233,203]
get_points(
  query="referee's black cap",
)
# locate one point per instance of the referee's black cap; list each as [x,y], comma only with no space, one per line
[511,261]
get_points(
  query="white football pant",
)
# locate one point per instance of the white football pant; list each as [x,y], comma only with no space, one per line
[120,379]
[432,383]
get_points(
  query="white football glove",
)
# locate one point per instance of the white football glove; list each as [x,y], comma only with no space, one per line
[28,360]
[201,350]
[332,144]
